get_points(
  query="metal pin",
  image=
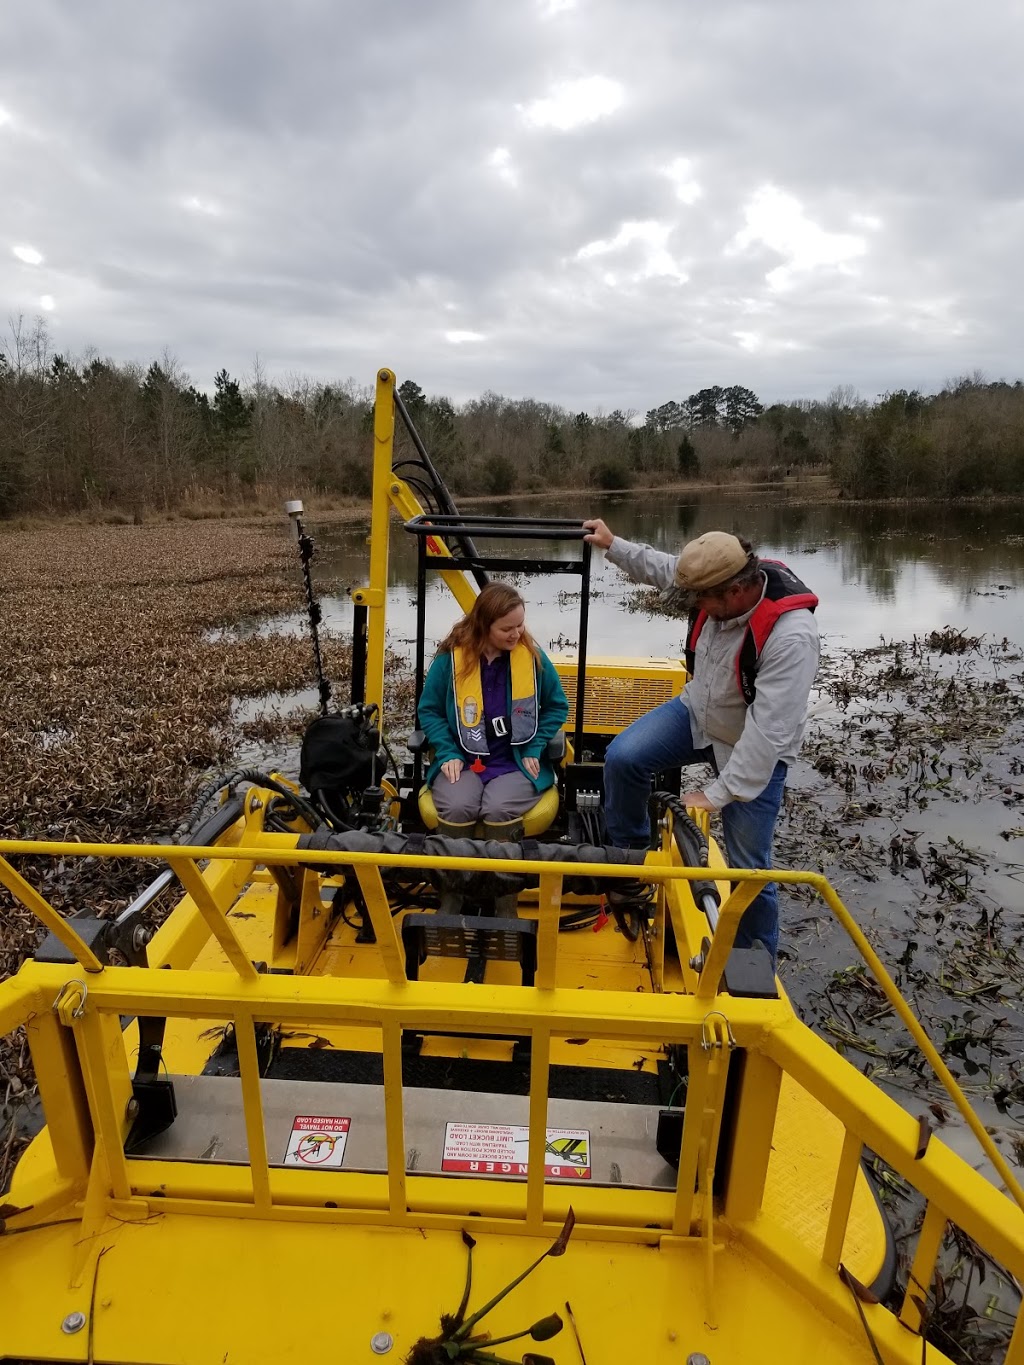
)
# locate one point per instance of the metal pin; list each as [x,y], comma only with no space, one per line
[74,1322]
[381,1343]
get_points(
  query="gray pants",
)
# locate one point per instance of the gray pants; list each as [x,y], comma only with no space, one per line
[503,798]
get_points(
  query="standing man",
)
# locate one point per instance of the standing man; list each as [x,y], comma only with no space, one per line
[752,653]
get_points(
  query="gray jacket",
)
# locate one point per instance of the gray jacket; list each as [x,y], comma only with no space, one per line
[748,741]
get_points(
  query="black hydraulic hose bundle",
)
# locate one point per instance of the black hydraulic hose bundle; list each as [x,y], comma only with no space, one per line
[475,883]
[693,849]
[228,780]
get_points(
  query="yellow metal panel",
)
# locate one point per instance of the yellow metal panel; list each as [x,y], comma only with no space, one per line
[802,1175]
[968,1198]
[619,691]
[630,1303]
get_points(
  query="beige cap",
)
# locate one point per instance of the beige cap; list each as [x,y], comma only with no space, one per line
[709,560]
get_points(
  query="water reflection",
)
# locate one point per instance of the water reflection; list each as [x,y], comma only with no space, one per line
[879,570]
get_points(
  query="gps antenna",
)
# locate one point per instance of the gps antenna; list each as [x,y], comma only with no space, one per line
[306,551]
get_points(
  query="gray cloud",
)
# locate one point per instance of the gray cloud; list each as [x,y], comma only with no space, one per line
[337,186]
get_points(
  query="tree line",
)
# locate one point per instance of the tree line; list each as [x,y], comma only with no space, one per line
[91,435]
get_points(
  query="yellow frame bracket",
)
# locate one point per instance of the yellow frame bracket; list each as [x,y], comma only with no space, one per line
[43,910]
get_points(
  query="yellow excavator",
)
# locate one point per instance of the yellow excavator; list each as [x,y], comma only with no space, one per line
[316,1113]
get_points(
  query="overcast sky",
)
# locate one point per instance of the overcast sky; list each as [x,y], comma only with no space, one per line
[600,203]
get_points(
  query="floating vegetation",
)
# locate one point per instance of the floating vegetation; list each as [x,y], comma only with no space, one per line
[117,704]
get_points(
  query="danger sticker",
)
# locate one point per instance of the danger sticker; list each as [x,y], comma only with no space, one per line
[501,1149]
[316,1140]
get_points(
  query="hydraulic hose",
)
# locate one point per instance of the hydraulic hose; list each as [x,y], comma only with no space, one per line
[476,883]
[229,780]
[693,849]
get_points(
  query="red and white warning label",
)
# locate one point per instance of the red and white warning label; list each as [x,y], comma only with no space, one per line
[316,1140]
[501,1149]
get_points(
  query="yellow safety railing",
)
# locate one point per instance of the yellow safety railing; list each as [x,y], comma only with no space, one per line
[88,1003]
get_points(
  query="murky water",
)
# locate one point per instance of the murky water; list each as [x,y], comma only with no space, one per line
[889,571]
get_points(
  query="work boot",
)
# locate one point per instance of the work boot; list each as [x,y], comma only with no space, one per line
[507,832]
[449,831]
[452,901]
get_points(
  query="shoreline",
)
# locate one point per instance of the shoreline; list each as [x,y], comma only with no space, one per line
[813,491]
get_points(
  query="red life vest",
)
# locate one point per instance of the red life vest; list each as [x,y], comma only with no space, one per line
[784,592]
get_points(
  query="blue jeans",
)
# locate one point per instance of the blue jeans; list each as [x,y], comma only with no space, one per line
[662,739]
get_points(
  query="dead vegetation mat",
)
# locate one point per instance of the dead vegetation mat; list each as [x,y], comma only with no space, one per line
[116,694]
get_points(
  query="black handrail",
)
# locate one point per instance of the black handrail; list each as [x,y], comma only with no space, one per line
[502,528]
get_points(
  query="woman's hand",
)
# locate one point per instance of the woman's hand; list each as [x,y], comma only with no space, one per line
[532,766]
[453,769]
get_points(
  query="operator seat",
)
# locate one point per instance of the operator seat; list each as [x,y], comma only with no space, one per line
[537,819]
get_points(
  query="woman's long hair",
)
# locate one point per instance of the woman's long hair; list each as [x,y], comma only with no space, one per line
[472,632]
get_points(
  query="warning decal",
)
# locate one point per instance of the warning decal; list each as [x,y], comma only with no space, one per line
[501,1149]
[316,1140]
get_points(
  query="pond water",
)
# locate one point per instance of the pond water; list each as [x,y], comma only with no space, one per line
[878,570]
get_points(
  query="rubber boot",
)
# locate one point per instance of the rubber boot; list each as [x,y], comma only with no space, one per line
[449,831]
[507,832]
[452,901]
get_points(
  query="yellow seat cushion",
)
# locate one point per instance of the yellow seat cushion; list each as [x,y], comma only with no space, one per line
[536,820]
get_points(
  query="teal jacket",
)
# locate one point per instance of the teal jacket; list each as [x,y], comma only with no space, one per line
[438,721]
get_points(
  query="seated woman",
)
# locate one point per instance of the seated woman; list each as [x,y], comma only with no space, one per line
[491,702]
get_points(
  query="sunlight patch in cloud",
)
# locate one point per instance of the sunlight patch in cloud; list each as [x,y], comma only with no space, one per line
[205,206]
[650,237]
[457,338]
[778,221]
[931,317]
[756,343]
[5,116]
[47,302]
[549,8]
[28,254]
[572,104]
[680,172]
[500,161]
